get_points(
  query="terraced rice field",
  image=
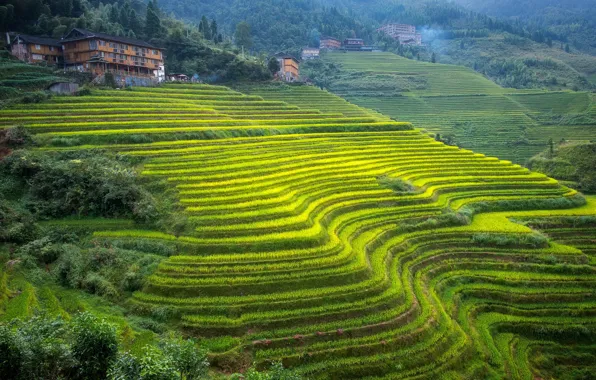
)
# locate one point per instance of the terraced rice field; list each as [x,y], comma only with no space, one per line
[302,253]
[479,115]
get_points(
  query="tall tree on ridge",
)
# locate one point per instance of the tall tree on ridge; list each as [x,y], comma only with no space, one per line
[243,35]
[152,21]
[214,30]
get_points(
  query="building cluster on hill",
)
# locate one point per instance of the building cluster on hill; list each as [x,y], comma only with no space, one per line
[81,50]
[332,43]
[405,34]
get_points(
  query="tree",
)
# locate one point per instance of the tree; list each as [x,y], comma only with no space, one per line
[191,362]
[243,35]
[214,33]
[134,23]
[567,48]
[152,20]
[94,347]
[205,28]
[551,147]
[6,16]
[273,65]
[433,58]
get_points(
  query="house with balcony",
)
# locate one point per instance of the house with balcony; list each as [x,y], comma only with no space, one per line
[101,53]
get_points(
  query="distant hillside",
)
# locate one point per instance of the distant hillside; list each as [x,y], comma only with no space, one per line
[573,18]
[459,105]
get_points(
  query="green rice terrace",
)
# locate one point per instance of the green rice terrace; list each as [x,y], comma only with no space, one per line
[343,243]
[458,103]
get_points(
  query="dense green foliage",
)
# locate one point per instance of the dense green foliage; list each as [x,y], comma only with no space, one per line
[83,186]
[87,348]
[575,163]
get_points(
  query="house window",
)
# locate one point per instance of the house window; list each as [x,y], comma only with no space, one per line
[93,44]
[102,43]
[144,51]
[122,56]
[155,52]
[51,48]
[37,47]
[113,45]
[154,61]
[102,54]
[37,57]
[112,55]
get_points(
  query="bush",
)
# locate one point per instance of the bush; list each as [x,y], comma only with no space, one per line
[93,185]
[396,184]
[11,354]
[534,240]
[15,137]
[35,97]
[16,226]
[153,365]
[191,362]
[94,346]
[83,91]
[41,251]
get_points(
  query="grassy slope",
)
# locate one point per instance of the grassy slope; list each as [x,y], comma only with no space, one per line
[18,79]
[453,100]
[301,254]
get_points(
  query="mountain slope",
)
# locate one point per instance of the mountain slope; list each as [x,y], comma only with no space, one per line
[336,241]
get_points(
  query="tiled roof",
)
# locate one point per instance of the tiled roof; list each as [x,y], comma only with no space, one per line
[37,40]
[82,34]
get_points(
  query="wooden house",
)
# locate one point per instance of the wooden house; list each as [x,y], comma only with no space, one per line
[289,68]
[353,43]
[99,53]
[330,43]
[34,49]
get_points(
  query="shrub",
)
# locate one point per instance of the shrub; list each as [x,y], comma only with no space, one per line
[16,226]
[92,185]
[15,137]
[94,346]
[534,240]
[42,251]
[153,365]
[398,185]
[35,97]
[191,362]
[11,354]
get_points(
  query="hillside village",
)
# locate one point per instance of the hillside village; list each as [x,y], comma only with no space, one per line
[137,62]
